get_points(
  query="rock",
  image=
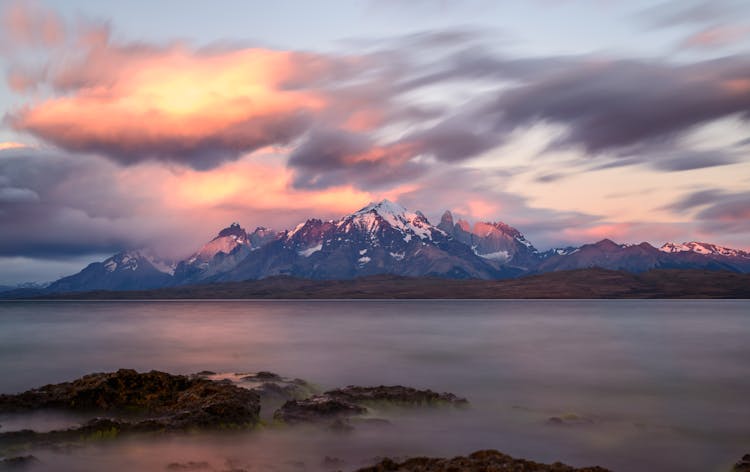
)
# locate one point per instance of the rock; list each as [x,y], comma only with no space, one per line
[137,402]
[18,462]
[743,465]
[270,390]
[570,419]
[489,460]
[396,395]
[346,402]
[341,425]
[262,375]
[205,373]
[329,461]
[176,466]
[315,409]
[275,388]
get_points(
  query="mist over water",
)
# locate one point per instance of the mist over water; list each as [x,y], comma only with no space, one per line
[638,385]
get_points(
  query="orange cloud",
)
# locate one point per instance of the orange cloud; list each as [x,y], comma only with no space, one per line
[256,183]
[11,145]
[178,105]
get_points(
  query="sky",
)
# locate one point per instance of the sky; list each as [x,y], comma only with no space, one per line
[128,125]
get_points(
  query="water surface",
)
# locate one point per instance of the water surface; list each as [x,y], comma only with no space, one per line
[642,385]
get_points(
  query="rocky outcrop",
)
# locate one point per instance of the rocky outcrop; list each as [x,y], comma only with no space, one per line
[18,462]
[743,465]
[396,395]
[270,386]
[350,401]
[489,460]
[127,401]
[316,409]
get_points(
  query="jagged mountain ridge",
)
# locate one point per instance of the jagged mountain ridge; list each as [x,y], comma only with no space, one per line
[222,253]
[382,238]
[637,258]
[129,270]
[386,238]
[494,241]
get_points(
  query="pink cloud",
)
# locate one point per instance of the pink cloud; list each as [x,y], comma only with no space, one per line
[716,36]
[28,24]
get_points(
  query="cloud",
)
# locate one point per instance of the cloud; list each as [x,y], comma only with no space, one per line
[716,210]
[29,24]
[712,24]
[697,199]
[201,107]
[59,205]
[677,13]
[716,36]
[10,145]
[177,105]
[16,195]
[692,160]
[271,137]
[610,105]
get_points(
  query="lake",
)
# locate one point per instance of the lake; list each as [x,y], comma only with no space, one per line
[658,385]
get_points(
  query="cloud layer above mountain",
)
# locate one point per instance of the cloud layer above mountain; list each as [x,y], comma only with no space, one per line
[130,137]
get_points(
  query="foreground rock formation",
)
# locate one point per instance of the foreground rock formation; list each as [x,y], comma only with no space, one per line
[743,465]
[127,401]
[479,461]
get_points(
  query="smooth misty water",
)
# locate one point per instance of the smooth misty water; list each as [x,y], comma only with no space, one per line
[664,385]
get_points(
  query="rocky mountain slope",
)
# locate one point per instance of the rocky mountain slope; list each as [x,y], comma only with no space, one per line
[385,238]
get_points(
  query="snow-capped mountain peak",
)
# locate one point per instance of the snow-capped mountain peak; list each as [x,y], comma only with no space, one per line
[132,260]
[703,248]
[407,222]
[226,241]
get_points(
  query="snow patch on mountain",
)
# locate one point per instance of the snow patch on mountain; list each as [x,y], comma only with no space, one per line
[501,256]
[310,251]
[703,248]
[399,256]
[407,222]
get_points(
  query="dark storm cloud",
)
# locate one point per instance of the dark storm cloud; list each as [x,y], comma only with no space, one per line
[329,158]
[620,112]
[610,105]
[733,209]
[717,209]
[697,199]
[55,205]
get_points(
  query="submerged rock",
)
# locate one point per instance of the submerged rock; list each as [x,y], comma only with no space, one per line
[315,409]
[349,401]
[570,419]
[395,395]
[270,386]
[192,465]
[262,376]
[489,460]
[136,402]
[18,462]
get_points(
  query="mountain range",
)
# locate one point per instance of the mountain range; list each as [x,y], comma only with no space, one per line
[383,238]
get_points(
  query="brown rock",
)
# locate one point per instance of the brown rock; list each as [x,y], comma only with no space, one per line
[488,460]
